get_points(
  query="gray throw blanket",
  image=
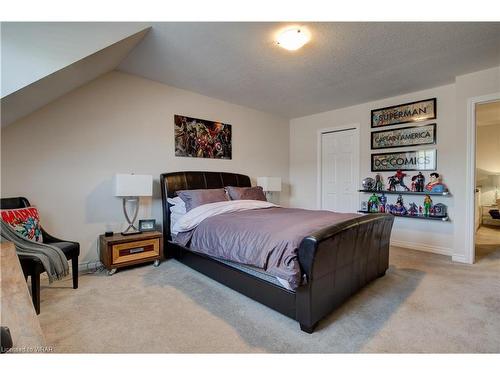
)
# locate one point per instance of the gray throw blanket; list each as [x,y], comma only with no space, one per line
[53,259]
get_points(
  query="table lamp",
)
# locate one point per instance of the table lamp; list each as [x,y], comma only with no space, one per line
[269,185]
[130,187]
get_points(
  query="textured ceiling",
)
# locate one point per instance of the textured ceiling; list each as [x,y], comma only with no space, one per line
[344,64]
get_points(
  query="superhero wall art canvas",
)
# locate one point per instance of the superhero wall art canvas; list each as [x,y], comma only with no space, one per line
[202,139]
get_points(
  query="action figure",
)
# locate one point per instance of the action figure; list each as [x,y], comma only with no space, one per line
[373,202]
[413,183]
[417,182]
[413,210]
[419,185]
[427,205]
[379,186]
[399,208]
[435,185]
[383,201]
[397,179]
[400,200]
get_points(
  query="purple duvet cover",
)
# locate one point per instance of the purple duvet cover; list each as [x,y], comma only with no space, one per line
[266,238]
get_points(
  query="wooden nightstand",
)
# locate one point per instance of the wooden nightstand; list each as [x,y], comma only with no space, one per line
[120,251]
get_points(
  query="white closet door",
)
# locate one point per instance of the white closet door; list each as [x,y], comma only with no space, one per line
[339,171]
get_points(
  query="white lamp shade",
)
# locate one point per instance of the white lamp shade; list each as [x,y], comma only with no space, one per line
[269,183]
[133,185]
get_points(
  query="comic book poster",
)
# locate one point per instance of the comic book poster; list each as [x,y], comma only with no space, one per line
[416,160]
[401,114]
[404,137]
[202,138]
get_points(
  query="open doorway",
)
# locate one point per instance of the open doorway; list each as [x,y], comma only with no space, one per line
[487,192]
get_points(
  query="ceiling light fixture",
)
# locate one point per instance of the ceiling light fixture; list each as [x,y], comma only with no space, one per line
[292,38]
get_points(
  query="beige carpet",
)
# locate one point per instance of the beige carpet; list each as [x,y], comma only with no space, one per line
[425,303]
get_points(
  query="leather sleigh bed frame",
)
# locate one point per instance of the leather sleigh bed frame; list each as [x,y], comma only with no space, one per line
[337,261]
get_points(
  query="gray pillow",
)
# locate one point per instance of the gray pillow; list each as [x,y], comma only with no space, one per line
[254,193]
[195,198]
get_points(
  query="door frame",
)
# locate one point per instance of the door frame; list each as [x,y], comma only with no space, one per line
[470,232]
[334,129]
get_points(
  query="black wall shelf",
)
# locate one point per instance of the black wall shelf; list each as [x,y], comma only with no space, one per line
[422,217]
[443,194]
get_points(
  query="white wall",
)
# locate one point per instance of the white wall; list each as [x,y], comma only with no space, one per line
[63,156]
[441,237]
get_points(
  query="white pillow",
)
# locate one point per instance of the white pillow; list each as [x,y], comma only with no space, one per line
[178,205]
[178,209]
[176,201]
[174,217]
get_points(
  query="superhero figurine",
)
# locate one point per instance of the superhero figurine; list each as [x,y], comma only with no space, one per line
[379,186]
[419,185]
[383,201]
[435,185]
[399,208]
[373,202]
[417,182]
[413,186]
[413,210]
[400,200]
[397,179]
[427,205]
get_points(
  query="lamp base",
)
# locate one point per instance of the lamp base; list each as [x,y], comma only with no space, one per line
[131,229]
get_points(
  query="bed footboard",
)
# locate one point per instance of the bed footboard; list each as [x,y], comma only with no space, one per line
[338,261]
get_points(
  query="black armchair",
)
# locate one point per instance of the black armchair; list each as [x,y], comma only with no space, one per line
[32,266]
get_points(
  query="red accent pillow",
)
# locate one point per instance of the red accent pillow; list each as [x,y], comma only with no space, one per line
[24,221]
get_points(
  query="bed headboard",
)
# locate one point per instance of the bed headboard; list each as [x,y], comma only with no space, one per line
[188,180]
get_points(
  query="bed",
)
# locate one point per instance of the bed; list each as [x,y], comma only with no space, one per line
[335,261]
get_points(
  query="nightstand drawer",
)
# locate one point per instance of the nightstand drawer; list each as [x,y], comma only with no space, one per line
[131,251]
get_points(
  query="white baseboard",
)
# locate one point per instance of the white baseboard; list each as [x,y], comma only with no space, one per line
[423,247]
[460,258]
[90,266]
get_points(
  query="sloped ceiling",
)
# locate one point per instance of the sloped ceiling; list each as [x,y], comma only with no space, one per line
[344,64]
[38,67]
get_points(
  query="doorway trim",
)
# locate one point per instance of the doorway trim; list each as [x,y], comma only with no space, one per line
[319,164]
[470,233]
